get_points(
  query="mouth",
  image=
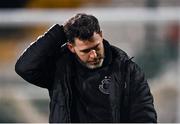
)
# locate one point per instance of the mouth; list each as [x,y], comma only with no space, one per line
[95,62]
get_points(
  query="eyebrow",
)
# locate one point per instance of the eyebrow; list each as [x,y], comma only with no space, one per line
[90,48]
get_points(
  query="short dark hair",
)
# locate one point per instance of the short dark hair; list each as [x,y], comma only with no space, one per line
[81,26]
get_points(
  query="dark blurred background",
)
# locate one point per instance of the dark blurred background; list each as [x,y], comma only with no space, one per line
[149,30]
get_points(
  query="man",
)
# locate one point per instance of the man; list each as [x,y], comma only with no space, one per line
[88,79]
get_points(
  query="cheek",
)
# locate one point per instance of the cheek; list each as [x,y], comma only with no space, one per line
[100,53]
[83,58]
[80,56]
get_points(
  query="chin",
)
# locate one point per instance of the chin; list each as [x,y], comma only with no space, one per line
[90,66]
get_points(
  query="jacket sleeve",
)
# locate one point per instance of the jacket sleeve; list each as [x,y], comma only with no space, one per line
[36,65]
[141,99]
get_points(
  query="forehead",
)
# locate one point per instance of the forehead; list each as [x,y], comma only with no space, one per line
[84,44]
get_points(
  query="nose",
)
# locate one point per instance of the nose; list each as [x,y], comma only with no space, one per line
[93,54]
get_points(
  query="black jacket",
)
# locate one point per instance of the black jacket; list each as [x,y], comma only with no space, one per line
[47,65]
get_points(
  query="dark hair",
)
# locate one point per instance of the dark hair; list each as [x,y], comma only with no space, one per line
[81,26]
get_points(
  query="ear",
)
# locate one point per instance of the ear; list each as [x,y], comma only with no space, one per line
[71,47]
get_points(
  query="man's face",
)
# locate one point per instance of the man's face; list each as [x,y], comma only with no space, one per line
[89,52]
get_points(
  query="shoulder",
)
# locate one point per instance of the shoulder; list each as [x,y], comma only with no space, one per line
[118,54]
[122,58]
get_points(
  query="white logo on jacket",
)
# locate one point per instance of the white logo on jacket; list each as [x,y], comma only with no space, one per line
[104,86]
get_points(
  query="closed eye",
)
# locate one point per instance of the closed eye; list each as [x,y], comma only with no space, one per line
[89,49]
